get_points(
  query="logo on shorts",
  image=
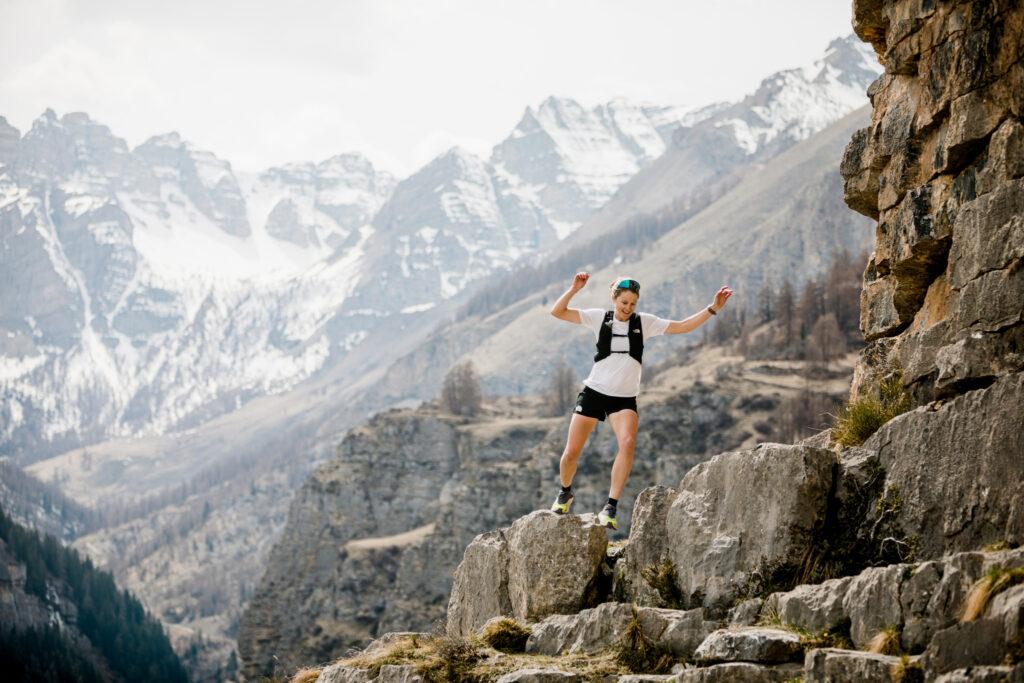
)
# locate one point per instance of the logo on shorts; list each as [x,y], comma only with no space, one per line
[579,409]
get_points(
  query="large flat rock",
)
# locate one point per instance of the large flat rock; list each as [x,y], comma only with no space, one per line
[743,510]
[750,644]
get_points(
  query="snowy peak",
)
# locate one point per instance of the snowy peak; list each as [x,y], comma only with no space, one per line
[852,60]
[9,137]
[563,161]
[207,181]
[792,105]
[442,228]
[59,148]
[321,205]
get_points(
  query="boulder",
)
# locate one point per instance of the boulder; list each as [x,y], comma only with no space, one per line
[740,672]
[678,631]
[917,606]
[814,607]
[872,602]
[337,673]
[601,628]
[1008,607]
[590,631]
[741,511]
[480,587]
[953,503]
[746,613]
[555,563]
[399,673]
[750,644]
[540,676]
[646,549]
[984,674]
[831,665]
[973,643]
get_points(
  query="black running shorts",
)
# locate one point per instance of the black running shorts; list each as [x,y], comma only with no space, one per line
[594,404]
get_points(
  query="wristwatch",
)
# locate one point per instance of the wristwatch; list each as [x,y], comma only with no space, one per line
[712,311]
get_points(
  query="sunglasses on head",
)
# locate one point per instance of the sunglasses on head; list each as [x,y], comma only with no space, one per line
[631,285]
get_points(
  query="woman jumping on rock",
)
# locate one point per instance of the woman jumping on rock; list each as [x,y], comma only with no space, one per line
[614,382]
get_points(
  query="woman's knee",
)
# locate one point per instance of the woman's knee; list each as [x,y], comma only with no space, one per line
[627,443]
[571,454]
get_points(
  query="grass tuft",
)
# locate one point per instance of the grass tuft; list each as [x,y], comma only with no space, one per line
[861,418]
[994,582]
[997,547]
[770,616]
[837,636]
[305,675]
[886,642]
[453,660]
[907,671]
[506,635]
[400,651]
[664,579]
[638,653]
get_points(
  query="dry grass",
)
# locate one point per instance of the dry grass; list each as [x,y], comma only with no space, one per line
[452,661]
[506,635]
[886,642]
[409,650]
[664,579]
[994,582]
[443,659]
[907,671]
[770,617]
[638,653]
[861,418]
[837,636]
[306,675]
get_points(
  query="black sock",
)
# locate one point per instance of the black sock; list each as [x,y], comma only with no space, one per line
[613,502]
[567,489]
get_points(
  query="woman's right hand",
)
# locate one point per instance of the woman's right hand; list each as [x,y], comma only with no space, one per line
[580,280]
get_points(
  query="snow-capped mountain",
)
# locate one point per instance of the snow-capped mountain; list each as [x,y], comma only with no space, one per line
[564,161]
[791,105]
[147,290]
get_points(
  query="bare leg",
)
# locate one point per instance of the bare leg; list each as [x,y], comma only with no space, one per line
[579,431]
[624,424]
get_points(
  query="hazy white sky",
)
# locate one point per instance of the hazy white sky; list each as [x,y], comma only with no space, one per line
[263,83]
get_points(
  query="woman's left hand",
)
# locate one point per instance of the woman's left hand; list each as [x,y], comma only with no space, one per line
[721,296]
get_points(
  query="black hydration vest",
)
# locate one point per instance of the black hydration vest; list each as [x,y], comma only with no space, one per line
[636,338]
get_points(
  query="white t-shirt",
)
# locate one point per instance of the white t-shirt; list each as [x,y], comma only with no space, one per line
[619,373]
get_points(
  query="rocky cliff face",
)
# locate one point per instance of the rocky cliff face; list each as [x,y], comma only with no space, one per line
[940,169]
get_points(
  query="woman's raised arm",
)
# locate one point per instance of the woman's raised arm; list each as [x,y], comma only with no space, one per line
[561,308]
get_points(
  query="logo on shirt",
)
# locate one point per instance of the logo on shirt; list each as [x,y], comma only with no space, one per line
[579,409]
[636,331]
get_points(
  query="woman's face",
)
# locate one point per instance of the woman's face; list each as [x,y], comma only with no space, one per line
[625,304]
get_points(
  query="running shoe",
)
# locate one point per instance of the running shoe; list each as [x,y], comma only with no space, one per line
[606,517]
[562,503]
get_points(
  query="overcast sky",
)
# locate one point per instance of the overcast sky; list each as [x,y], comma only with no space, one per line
[263,83]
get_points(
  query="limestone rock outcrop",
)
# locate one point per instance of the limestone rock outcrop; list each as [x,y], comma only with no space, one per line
[543,564]
[940,168]
[959,469]
[600,628]
[731,516]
